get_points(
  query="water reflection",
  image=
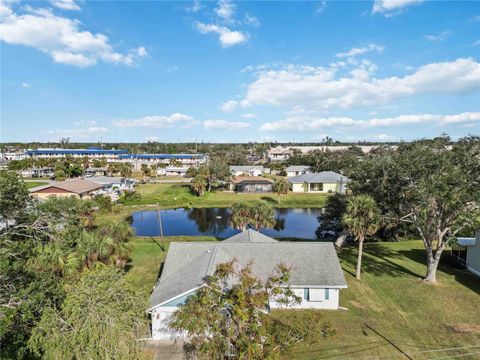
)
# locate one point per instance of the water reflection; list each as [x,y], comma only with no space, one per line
[289,223]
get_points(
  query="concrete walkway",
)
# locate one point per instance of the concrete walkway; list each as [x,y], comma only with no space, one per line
[166,349]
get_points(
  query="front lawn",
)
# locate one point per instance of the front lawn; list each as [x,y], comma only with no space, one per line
[389,311]
[392,310]
[32,184]
[179,195]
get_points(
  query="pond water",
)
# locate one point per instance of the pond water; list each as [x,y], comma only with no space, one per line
[289,223]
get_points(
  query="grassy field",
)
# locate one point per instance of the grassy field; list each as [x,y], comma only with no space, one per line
[32,184]
[179,195]
[389,311]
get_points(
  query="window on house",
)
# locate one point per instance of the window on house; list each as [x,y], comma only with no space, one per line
[305,294]
[316,294]
[316,186]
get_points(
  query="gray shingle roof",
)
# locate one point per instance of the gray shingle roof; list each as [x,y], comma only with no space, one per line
[297,168]
[321,177]
[187,263]
[236,168]
[250,236]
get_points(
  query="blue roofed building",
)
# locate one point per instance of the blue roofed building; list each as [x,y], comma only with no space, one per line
[91,152]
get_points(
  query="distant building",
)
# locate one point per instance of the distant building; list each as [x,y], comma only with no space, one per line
[172,171]
[184,160]
[45,172]
[81,188]
[296,170]
[8,156]
[91,153]
[112,183]
[96,171]
[316,276]
[247,170]
[322,182]
[255,184]
[280,153]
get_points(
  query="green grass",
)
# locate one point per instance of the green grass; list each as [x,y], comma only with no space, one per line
[391,299]
[32,184]
[179,195]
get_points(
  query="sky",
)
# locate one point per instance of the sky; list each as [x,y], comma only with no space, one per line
[224,71]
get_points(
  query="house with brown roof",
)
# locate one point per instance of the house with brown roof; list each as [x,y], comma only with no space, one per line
[80,188]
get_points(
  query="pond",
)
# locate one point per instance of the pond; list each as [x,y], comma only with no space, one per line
[289,223]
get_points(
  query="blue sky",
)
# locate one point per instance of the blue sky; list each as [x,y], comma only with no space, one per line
[239,71]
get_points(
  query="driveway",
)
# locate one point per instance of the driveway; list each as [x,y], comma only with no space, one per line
[165,349]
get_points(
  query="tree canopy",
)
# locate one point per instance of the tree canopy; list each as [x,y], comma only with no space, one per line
[226,318]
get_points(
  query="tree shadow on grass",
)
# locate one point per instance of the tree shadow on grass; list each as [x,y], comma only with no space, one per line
[377,260]
[461,275]
[269,200]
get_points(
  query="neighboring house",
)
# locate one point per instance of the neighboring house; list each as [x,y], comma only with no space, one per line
[172,171]
[251,184]
[45,172]
[322,182]
[96,171]
[296,170]
[81,188]
[112,183]
[247,170]
[467,252]
[316,275]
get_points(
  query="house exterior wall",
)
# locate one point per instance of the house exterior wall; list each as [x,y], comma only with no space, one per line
[330,301]
[327,187]
[46,195]
[161,315]
[253,172]
[473,256]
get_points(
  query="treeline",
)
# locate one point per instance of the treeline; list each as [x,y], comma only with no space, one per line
[62,282]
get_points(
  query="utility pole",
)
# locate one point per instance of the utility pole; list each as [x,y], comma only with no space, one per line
[160,228]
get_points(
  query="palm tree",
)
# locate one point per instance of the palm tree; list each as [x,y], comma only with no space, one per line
[281,187]
[199,184]
[257,214]
[361,219]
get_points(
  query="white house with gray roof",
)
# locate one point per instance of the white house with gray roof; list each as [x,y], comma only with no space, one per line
[322,182]
[247,170]
[316,276]
[296,170]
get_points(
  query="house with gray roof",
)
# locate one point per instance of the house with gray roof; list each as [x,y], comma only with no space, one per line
[316,276]
[322,182]
[247,170]
[296,170]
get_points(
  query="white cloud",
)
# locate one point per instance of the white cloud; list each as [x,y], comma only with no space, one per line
[65,4]
[141,51]
[249,116]
[61,38]
[226,10]
[225,125]
[361,50]
[309,123]
[226,37]
[252,20]
[386,137]
[79,133]
[392,7]
[196,6]
[229,105]
[25,85]
[321,6]
[437,37]
[319,88]
[86,122]
[157,121]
